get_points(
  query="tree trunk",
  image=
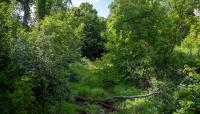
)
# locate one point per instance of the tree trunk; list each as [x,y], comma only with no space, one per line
[41,9]
[26,8]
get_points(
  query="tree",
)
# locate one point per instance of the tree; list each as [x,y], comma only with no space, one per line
[4,55]
[9,67]
[135,29]
[46,7]
[89,27]
[142,35]
[50,49]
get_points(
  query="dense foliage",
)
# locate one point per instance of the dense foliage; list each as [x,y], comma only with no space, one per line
[59,59]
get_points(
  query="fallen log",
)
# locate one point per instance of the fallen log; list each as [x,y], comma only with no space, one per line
[131,97]
[109,102]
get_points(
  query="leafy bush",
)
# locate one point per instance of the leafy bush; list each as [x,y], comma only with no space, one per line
[63,107]
[188,94]
[140,106]
[22,97]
